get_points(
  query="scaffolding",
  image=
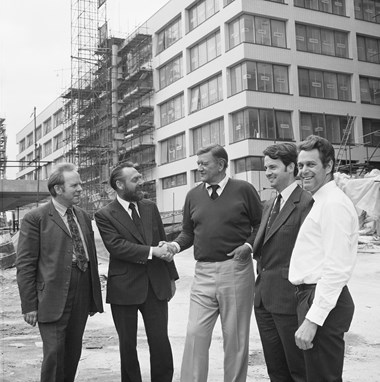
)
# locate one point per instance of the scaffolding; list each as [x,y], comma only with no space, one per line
[89,128]
[135,116]
[3,149]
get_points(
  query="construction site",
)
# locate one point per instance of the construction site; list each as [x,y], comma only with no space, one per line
[129,97]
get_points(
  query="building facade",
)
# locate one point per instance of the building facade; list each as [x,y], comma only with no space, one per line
[245,74]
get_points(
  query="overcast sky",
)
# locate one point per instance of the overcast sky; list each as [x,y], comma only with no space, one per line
[35,51]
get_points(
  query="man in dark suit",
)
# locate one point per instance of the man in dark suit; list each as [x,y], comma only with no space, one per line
[274,301]
[57,274]
[139,278]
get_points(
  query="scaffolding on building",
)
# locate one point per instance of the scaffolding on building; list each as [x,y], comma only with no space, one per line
[135,116]
[89,136]
[3,148]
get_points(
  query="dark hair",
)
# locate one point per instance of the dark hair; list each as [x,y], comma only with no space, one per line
[325,148]
[217,151]
[56,178]
[285,152]
[116,173]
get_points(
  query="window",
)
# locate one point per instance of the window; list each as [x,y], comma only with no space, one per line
[336,7]
[201,11]
[173,149]
[170,72]
[205,51]
[38,133]
[206,94]
[58,118]
[58,141]
[257,30]
[212,132]
[368,49]
[331,127]
[371,130]
[47,148]
[29,140]
[174,181]
[252,123]
[370,90]
[367,10]
[47,126]
[22,145]
[321,84]
[263,77]
[169,35]
[172,110]
[226,2]
[249,163]
[321,40]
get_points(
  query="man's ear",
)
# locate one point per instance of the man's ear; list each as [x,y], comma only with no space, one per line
[58,189]
[119,185]
[329,167]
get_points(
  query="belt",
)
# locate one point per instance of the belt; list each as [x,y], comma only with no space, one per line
[302,287]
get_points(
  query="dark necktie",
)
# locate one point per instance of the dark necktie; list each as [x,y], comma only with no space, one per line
[136,219]
[274,213]
[214,194]
[79,251]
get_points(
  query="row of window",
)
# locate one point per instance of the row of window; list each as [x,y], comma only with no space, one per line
[270,124]
[367,10]
[46,127]
[270,78]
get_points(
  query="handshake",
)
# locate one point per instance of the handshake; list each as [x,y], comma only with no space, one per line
[165,251]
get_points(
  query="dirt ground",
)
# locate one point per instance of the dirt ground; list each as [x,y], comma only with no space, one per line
[21,347]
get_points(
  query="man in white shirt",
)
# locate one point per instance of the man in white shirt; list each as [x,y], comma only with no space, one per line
[322,263]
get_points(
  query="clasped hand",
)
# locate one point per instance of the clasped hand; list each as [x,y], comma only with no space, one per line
[165,251]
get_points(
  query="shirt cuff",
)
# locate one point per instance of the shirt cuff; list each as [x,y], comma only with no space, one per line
[250,246]
[317,315]
[150,257]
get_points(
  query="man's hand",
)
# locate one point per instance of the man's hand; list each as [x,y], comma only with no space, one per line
[305,334]
[31,318]
[240,253]
[162,252]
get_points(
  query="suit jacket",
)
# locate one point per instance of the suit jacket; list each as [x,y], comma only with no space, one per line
[273,251]
[130,271]
[44,261]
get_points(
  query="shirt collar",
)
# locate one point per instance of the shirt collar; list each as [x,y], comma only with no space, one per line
[221,184]
[324,190]
[288,191]
[61,209]
[126,204]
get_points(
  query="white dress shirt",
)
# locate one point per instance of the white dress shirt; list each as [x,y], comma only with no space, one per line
[326,249]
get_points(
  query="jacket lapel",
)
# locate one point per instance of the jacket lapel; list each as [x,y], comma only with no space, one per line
[146,218]
[264,221]
[285,212]
[56,218]
[120,214]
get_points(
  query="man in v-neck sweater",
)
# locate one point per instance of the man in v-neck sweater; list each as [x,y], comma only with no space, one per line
[221,217]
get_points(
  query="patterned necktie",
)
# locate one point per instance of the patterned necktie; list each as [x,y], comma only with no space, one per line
[79,252]
[137,220]
[274,213]
[214,194]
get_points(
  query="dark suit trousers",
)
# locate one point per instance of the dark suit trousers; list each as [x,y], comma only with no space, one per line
[155,316]
[284,360]
[324,362]
[62,340]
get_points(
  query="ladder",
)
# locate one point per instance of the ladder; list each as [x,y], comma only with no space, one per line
[346,136]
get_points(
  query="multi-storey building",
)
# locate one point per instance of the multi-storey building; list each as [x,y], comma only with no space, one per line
[245,74]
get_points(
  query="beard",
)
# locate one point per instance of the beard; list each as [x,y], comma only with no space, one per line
[133,196]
